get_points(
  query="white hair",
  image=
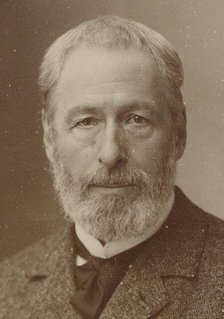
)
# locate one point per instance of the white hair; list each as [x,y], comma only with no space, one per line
[115,32]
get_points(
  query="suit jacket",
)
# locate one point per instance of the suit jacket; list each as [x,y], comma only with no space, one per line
[180,274]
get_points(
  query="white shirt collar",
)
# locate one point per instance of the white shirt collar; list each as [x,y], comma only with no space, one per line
[110,249]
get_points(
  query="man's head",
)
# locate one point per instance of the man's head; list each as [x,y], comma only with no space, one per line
[114,124]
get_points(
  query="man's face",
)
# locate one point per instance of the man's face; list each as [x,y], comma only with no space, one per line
[114,150]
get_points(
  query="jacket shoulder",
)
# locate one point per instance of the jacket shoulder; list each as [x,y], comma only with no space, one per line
[23,274]
[210,275]
[27,257]
[14,269]
[215,225]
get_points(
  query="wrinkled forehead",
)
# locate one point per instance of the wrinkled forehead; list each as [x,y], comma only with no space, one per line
[91,67]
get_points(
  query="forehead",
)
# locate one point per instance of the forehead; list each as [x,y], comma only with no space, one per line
[93,66]
[114,78]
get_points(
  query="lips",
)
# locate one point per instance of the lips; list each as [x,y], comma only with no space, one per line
[112,185]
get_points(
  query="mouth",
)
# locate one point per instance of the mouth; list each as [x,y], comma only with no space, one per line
[112,186]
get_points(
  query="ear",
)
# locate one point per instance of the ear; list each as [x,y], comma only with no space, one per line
[47,136]
[180,143]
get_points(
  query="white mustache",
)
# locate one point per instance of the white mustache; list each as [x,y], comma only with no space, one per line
[124,176]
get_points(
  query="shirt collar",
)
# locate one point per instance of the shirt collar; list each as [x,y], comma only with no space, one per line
[110,249]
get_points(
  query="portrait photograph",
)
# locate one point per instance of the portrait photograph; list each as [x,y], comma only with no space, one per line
[112,159]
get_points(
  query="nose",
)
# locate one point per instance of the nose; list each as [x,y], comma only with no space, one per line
[112,151]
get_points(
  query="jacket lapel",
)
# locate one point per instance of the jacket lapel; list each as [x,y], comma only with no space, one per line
[174,251]
[139,295]
[53,281]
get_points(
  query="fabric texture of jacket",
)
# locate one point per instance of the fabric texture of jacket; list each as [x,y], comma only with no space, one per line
[180,274]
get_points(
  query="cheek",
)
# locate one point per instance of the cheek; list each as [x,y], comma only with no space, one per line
[77,157]
[149,154]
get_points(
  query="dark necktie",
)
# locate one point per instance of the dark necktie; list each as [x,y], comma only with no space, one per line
[97,279]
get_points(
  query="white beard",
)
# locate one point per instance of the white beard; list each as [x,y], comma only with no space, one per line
[120,215]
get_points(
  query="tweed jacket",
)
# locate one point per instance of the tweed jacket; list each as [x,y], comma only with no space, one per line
[180,274]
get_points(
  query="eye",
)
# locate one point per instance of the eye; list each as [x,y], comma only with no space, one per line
[86,122]
[137,120]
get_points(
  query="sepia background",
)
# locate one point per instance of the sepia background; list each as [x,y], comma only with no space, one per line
[28,208]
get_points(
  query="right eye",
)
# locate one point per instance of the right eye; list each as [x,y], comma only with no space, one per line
[87,122]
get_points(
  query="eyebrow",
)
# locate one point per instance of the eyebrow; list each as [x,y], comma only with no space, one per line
[81,109]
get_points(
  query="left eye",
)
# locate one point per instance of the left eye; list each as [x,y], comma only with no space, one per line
[87,122]
[137,120]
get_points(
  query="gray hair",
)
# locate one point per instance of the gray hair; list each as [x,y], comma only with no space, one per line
[115,32]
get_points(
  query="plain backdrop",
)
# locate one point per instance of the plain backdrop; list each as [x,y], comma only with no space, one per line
[29,209]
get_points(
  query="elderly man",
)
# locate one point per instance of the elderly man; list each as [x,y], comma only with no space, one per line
[134,246]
